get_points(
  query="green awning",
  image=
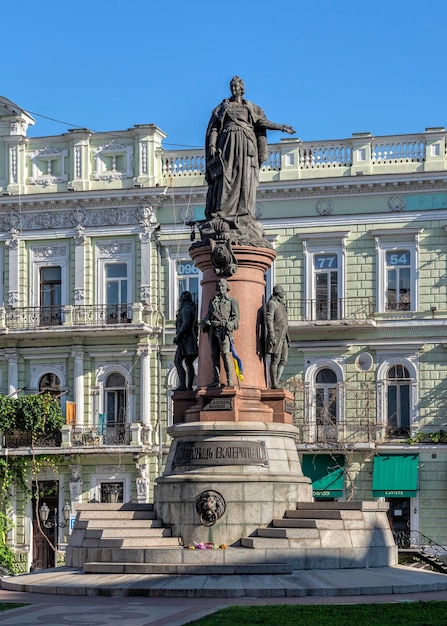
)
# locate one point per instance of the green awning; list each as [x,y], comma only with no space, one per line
[395,476]
[326,473]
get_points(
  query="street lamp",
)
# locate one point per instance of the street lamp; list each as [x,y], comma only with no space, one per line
[44,513]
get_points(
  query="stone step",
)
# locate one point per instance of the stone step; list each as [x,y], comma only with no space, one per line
[111,533]
[102,515]
[294,523]
[284,543]
[106,506]
[312,514]
[134,542]
[185,568]
[115,523]
[321,524]
[321,505]
[288,533]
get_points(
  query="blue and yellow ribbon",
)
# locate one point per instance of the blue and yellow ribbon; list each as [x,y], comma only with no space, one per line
[239,369]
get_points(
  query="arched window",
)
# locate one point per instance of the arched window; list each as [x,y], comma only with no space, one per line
[115,399]
[398,383]
[50,383]
[326,404]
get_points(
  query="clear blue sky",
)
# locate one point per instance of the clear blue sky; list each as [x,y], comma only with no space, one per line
[327,67]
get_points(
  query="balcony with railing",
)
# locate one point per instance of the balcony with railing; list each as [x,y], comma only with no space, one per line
[92,315]
[109,434]
[340,435]
[353,312]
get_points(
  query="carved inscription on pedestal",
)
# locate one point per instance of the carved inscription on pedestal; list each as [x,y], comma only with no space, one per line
[219,404]
[220,453]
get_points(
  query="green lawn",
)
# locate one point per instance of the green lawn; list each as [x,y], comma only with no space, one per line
[5,606]
[405,613]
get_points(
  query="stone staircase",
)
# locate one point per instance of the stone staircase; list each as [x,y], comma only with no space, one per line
[128,539]
[330,535]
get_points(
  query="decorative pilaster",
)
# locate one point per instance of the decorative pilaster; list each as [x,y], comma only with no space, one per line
[79,220]
[13,372]
[145,387]
[78,358]
[149,223]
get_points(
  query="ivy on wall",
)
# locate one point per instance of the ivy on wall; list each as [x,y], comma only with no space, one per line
[39,414]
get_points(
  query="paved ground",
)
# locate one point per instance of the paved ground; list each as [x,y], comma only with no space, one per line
[76,601]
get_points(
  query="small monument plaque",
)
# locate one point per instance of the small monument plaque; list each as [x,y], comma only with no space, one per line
[220,453]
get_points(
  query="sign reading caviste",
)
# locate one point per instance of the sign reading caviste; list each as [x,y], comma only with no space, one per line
[220,453]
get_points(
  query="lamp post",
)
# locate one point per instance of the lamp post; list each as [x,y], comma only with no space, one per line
[44,513]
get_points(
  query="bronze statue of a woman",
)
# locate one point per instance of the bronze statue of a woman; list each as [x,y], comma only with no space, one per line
[236,146]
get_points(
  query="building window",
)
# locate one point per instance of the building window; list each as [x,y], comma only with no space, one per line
[50,296]
[325,262]
[188,279]
[118,308]
[326,405]
[398,280]
[183,275]
[398,401]
[115,399]
[397,269]
[50,383]
[115,283]
[326,286]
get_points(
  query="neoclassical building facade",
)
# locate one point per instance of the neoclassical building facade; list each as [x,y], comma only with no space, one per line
[95,233]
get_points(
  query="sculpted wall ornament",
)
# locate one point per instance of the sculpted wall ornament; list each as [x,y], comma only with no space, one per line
[115,247]
[80,237]
[397,203]
[145,294]
[325,207]
[45,252]
[13,298]
[110,469]
[210,506]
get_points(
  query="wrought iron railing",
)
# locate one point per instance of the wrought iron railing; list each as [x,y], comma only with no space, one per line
[97,314]
[34,316]
[26,438]
[407,539]
[109,435]
[330,309]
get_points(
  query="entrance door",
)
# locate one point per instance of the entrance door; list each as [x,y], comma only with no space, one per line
[43,553]
[399,517]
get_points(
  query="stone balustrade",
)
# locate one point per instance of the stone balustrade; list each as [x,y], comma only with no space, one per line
[290,159]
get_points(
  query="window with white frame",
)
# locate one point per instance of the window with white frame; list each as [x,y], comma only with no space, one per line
[324,403]
[398,280]
[50,295]
[324,275]
[114,288]
[182,276]
[188,279]
[49,281]
[397,269]
[398,383]
[397,391]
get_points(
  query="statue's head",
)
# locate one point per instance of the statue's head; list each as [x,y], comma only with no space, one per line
[222,286]
[278,291]
[185,296]
[237,85]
